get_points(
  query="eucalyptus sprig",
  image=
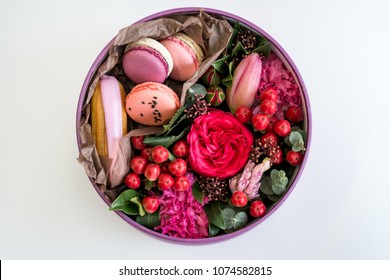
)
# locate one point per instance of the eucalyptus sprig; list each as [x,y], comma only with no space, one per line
[274,185]
[295,141]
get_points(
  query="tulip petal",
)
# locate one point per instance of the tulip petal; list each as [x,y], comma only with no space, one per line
[246,82]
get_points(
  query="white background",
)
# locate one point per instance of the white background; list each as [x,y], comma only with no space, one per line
[339,209]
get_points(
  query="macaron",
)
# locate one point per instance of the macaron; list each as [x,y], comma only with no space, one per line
[186,54]
[146,60]
[152,104]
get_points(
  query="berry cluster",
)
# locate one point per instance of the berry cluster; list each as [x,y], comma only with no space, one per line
[263,120]
[157,166]
[270,132]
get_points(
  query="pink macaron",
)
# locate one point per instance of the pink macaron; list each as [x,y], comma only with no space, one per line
[152,104]
[146,60]
[186,54]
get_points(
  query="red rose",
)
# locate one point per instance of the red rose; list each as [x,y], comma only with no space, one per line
[219,145]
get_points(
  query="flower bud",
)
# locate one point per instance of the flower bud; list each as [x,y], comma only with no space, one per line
[215,95]
[211,77]
[246,81]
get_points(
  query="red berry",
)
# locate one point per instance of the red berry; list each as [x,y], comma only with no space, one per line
[181,183]
[269,138]
[138,164]
[272,121]
[276,155]
[294,158]
[132,181]
[178,167]
[152,172]
[294,114]
[243,114]
[269,93]
[257,209]
[146,152]
[239,199]
[282,128]
[165,181]
[138,142]
[160,154]
[268,107]
[150,204]
[180,148]
[260,121]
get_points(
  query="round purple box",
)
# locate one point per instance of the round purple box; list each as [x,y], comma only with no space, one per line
[289,64]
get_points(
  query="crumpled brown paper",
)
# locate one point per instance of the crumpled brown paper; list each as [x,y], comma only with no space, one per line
[210,33]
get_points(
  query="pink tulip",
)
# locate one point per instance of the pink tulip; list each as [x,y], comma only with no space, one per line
[246,82]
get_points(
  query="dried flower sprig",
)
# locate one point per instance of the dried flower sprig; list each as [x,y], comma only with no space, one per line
[255,154]
[247,39]
[266,147]
[198,108]
[214,189]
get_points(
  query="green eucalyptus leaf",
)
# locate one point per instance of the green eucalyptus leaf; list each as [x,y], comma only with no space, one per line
[301,131]
[281,174]
[137,201]
[149,220]
[197,192]
[287,141]
[266,186]
[274,173]
[240,220]
[123,202]
[304,135]
[213,230]
[297,147]
[196,89]
[278,189]
[278,181]
[295,137]
[283,181]
[214,214]
[228,216]
[164,141]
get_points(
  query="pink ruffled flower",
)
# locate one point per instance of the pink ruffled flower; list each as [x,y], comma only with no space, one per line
[275,74]
[219,145]
[181,215]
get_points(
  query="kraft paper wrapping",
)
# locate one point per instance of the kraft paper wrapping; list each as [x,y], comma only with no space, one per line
[210,33]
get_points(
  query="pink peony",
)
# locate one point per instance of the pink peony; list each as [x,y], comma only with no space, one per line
[181,215]
[219,145]
[275,74]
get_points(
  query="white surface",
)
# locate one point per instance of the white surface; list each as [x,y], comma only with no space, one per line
[339,210]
